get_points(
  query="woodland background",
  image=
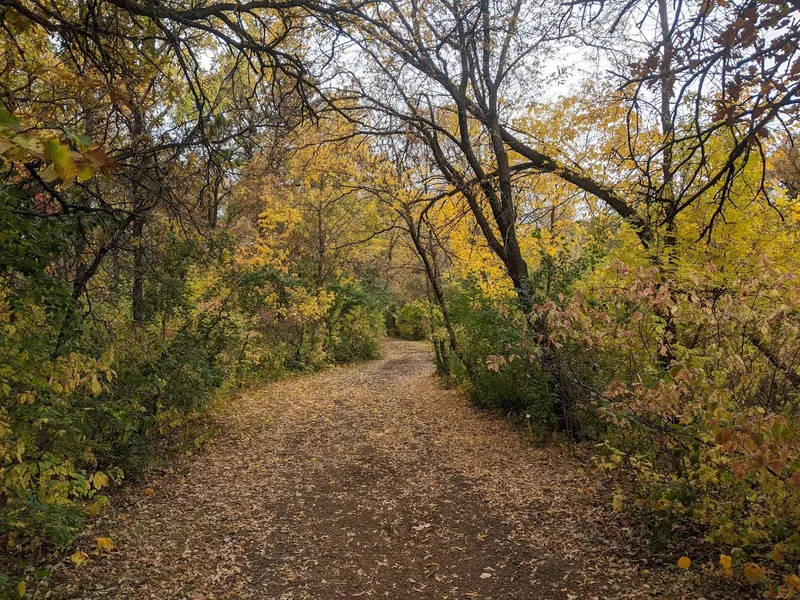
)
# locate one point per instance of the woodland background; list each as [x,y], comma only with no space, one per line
[590,209]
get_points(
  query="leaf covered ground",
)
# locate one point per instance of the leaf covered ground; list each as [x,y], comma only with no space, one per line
[370,481]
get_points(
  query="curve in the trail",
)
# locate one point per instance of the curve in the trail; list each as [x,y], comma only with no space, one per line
[368,481]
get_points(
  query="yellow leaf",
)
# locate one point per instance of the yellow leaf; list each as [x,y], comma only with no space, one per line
[95,386]
[49,174]
[96,507]
[62,160]
[684,562]
[753,572]
[105,543]
[792,582]
[100,480]
[86,173]
[725,561]
[79,558]
[22,588]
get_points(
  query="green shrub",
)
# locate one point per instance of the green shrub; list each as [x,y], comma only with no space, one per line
[486,328]
[88,396]
[412,320]
[355,323]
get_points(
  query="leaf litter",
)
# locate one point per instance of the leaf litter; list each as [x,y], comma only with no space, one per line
[367,481]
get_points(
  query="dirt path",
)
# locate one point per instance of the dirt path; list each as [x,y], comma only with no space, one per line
[368,481]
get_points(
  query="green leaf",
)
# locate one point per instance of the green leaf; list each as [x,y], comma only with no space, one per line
[81,140]
[8,120]
[62,159]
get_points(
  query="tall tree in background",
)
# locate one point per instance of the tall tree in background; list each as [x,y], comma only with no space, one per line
[459,75]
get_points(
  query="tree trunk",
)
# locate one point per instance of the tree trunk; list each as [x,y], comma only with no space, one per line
[137,295]
[139,203]
[666,259]
[434,282]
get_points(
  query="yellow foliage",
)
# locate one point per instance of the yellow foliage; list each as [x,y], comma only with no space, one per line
[95,386]
[63,162]
[618,501]
[792,582]
[753,572]
[100,480]
[105,544]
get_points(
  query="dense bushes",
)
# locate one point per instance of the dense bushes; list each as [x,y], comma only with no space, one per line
[712,435]
[355,324]
[412,320]
[87,395]
[685,375]
[485,330]
[679,363]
